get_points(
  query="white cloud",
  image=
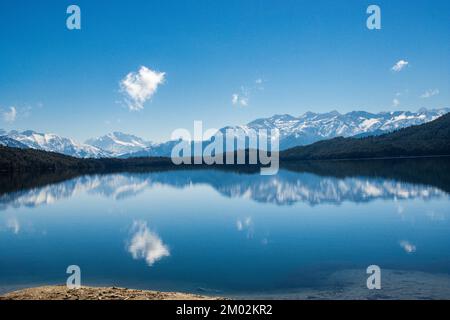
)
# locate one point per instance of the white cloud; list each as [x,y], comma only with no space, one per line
[407,246]
[430,93]
[402,93]
[10,116]
[259,84]
[146,245]
[140,86]
[400,65]
[395,102]
[244,101]
[241,100]
[234,98]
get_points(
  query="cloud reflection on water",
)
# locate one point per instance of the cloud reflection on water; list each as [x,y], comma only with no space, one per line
[145,244]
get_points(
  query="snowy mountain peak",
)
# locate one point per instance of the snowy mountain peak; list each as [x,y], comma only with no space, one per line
[53,143]
[282,117]
[119,143]
[312,127]
[29,133]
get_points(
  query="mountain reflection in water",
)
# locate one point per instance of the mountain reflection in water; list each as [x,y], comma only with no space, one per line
[323,183]
[310,231]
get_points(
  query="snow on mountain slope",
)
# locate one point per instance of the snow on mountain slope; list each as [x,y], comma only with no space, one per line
[8,142]
[156,150]
[312,127]
[55,143]
[308,128]
[118,143]
[294,131]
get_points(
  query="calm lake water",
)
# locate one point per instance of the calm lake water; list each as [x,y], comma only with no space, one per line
[308,232]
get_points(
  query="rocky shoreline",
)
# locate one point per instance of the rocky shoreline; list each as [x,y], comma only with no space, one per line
[100,293]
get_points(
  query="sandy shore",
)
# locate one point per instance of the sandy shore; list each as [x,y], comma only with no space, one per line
[91,293]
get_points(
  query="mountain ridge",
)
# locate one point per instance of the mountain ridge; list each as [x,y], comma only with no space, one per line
[428,139]
[118,143]
[312,127]
[52,143]
[305,129]
[309,127]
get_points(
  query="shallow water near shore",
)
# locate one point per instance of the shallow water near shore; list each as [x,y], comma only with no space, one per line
[305,233]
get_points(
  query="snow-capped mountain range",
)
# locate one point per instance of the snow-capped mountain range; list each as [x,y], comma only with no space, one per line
[118,143]
[312,127]
[294,131]
[51,142]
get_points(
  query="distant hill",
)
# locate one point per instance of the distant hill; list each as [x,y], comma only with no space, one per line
[428,139]
[16,159]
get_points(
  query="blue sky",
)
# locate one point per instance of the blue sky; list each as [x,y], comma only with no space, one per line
[276,56]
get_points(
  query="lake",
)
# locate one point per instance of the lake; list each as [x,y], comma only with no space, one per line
[310,231]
